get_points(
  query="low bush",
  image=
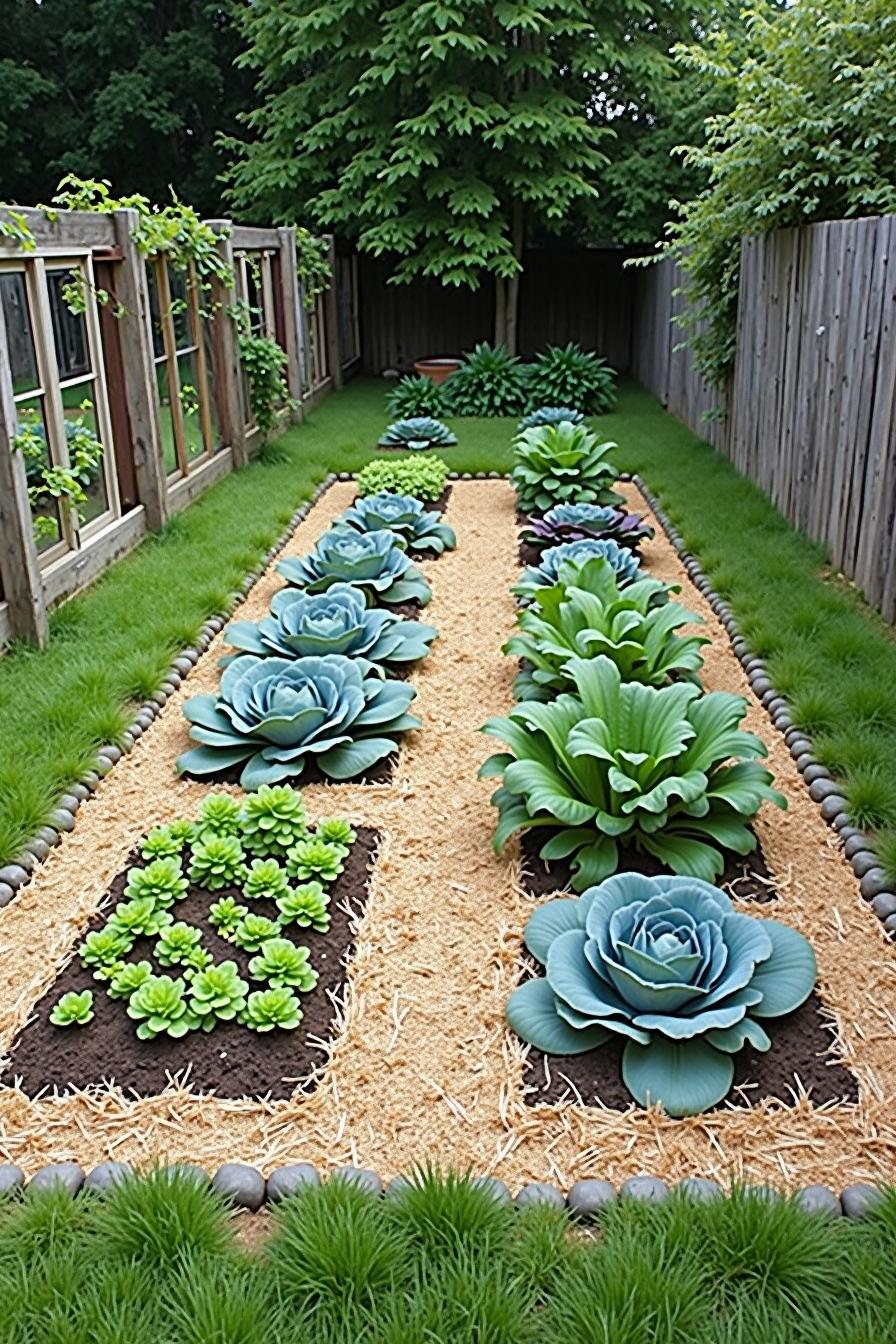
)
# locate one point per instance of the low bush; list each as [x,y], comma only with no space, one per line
[490,381]
[422,477]
[570,376]
[417,396]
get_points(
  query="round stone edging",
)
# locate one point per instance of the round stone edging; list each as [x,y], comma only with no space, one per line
[824,790]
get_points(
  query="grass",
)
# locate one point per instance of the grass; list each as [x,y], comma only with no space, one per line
[827,651]
[160,1261]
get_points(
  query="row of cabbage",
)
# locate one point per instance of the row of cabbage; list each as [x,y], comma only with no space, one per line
[616,758]
[309,684]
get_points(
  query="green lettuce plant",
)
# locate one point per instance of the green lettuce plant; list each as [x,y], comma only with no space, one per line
[273,820]
[562,464]
[73,1009]
[403,514]
[567,374]
[490,381]
[139,919]
[281,964]
[305,906]
[177,943]
[671,966]
[265,880]
[254,930]
[270,1008]
[218,994]
[422,477]
[161,882]
[571,555]
[105,947]
[279,715]
[665,772]
[218,816]
[418,433]
[129,979]
[315,858]
[589,615]
[415,396]
[376,562]
[226,915]
[217,861]
[336,831]
[160,1008]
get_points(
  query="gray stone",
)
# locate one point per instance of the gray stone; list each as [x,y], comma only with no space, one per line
[645,1189]
[160,698]
[216,624]
[804,761]
[110,753]
[820,789]
[145,718]
[815,772]
[863,861]
[873,883]
[27,860]
[79,791]
[50,834]
[70,802]
[14,875]
[783,721]
[11,1178]
[106,1175]
[66,1176]
[890,924]
[240,1185]
[700,1189]
[362,1177]
[841,822]
[818,1199]
[128,738]
[290,1180]
[39,848]
[191,656]
[399,1186]
[760,684]
[173,680]
[183,664]
[6,894]
[832,806]
[62,819]
[185,1171]
[884,904]
[855,844]
[492,1186]
[540,1193]
[102,765]
[859,1199]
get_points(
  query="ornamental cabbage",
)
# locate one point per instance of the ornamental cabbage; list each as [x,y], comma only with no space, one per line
[279,716]
[404,515]
[546,573]
[557,464]
[669,964]
[550,415]
[577,522]
[418,432]
[376,562]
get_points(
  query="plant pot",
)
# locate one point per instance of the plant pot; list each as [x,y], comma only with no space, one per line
[437,370]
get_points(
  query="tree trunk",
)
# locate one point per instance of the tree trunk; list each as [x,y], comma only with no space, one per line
[512,302]
[500,310]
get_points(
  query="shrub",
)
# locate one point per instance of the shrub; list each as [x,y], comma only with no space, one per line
[559,464]
[422,477]
[670,965]
[489,382]
[376,562]
[273,819]
[279,716]
[217,861]
[569,558]
[73,1010]
[283,965]
[415,396]
[569,376]
[270,1008]
[404,515]
[550,415]
[306,906]
[664,772]
[581,522]
[589,614]
[418,433]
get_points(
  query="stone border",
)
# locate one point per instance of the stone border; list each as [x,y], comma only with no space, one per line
[823,788]
[244,1187]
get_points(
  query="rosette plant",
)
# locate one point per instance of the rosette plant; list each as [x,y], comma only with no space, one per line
[418,433]
[586,615]
[671,966]
[226,915]
[306,906]
[578,522]
[139,919]
[161,881]
[550,415]
[404,515]
[663,772]
[561,464]
[336,831]
[270,1008]
[280,963]
[254,930]
[376,562]
[73,1009]
[218,994]
[217,861]
[279,716]
[339,620]
[315,858]
[160,1008]
[265,880]
[573,554]
[273,819]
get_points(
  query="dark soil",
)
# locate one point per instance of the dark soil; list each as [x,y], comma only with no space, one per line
[231,1060]
[745,877]
[381,773]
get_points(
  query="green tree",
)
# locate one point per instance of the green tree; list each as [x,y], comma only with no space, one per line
[810,137]
[440,132]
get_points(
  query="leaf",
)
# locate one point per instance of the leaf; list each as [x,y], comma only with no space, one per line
[532,1014]
[685,1077]
[355,757]
[788,977]
[548,922]
[208,761]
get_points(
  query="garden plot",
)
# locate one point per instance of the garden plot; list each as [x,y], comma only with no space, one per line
[421,1065]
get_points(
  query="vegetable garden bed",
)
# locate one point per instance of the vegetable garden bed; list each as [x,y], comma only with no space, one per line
[422,1065]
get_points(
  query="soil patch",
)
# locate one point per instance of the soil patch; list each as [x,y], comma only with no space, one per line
[231,1060]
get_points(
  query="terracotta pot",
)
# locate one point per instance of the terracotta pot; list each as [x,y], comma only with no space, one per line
[437,370]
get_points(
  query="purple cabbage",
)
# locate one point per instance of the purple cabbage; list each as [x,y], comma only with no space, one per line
[584,522]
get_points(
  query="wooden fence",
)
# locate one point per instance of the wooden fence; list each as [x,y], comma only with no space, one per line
[811,411]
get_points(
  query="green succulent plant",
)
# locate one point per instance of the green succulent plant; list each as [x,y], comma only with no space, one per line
[274,819]
[588,615]
[336,831]
[550,415]
[162,842]
[198,959]
[376,562]
[217,861]
[105,947]
[670,965]
[225,915]
[270,1008]
[218,994]
[265,879]
[315,858]
[665,772]
[564,374]
[129,979]
[417,433]
[73,1009]
[161,882]
[177,943]
[403,514]
[560,464]
[306,906]
[160,1007]
[218,816]
[281,964]
[415,397]
[424,477]
[253,930]
[140,918]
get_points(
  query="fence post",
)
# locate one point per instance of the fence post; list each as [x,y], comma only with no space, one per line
[132,293]
[228,376]
[292,314]
[22,586]
[331,301]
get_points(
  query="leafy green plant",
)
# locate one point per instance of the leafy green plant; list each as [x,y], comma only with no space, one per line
[414,397]
[218,994]
[588,614]
[561,464]
[550,415]
[567,375]
[161,881]
[418,433]
[165,842]
[129,979]
[254,930]
[139,919]
[581,522]
[219,815]
[265,880]
[282,964]
[306,906]
[336,831]
[273,819]
[160,1008]
[336,621]
[404,515]
[177,943]
[422,477]
[670,965]
[217,861]
[263,361]
[267,1009]
[567,559]
[73,1010]
[49,484]
[376,562]
[226,915]
[315,858]
[279,715]
[105,947]
[490,381]
[664,772]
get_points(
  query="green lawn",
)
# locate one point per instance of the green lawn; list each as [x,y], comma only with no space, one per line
[158,1262]
[827,652]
